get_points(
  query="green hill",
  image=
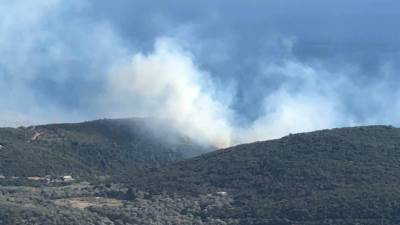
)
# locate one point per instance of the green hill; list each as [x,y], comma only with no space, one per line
[101,147]
[339,176]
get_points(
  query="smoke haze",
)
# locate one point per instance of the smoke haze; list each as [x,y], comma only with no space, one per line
[222,80]
[167,84]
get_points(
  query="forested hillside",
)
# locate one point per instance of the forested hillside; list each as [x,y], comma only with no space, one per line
[102,147]
[339,176]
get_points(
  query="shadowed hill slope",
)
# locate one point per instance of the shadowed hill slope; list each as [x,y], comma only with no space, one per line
[101,147]
[338,176]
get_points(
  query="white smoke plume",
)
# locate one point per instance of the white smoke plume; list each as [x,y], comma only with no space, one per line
[59,65]
[167,84]
[309,104]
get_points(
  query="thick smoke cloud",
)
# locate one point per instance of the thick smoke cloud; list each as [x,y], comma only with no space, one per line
[167,84]
[223,79]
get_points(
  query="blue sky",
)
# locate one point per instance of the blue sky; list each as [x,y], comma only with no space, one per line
[245,70]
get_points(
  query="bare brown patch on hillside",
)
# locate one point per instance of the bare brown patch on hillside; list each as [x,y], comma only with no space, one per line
[85,202]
